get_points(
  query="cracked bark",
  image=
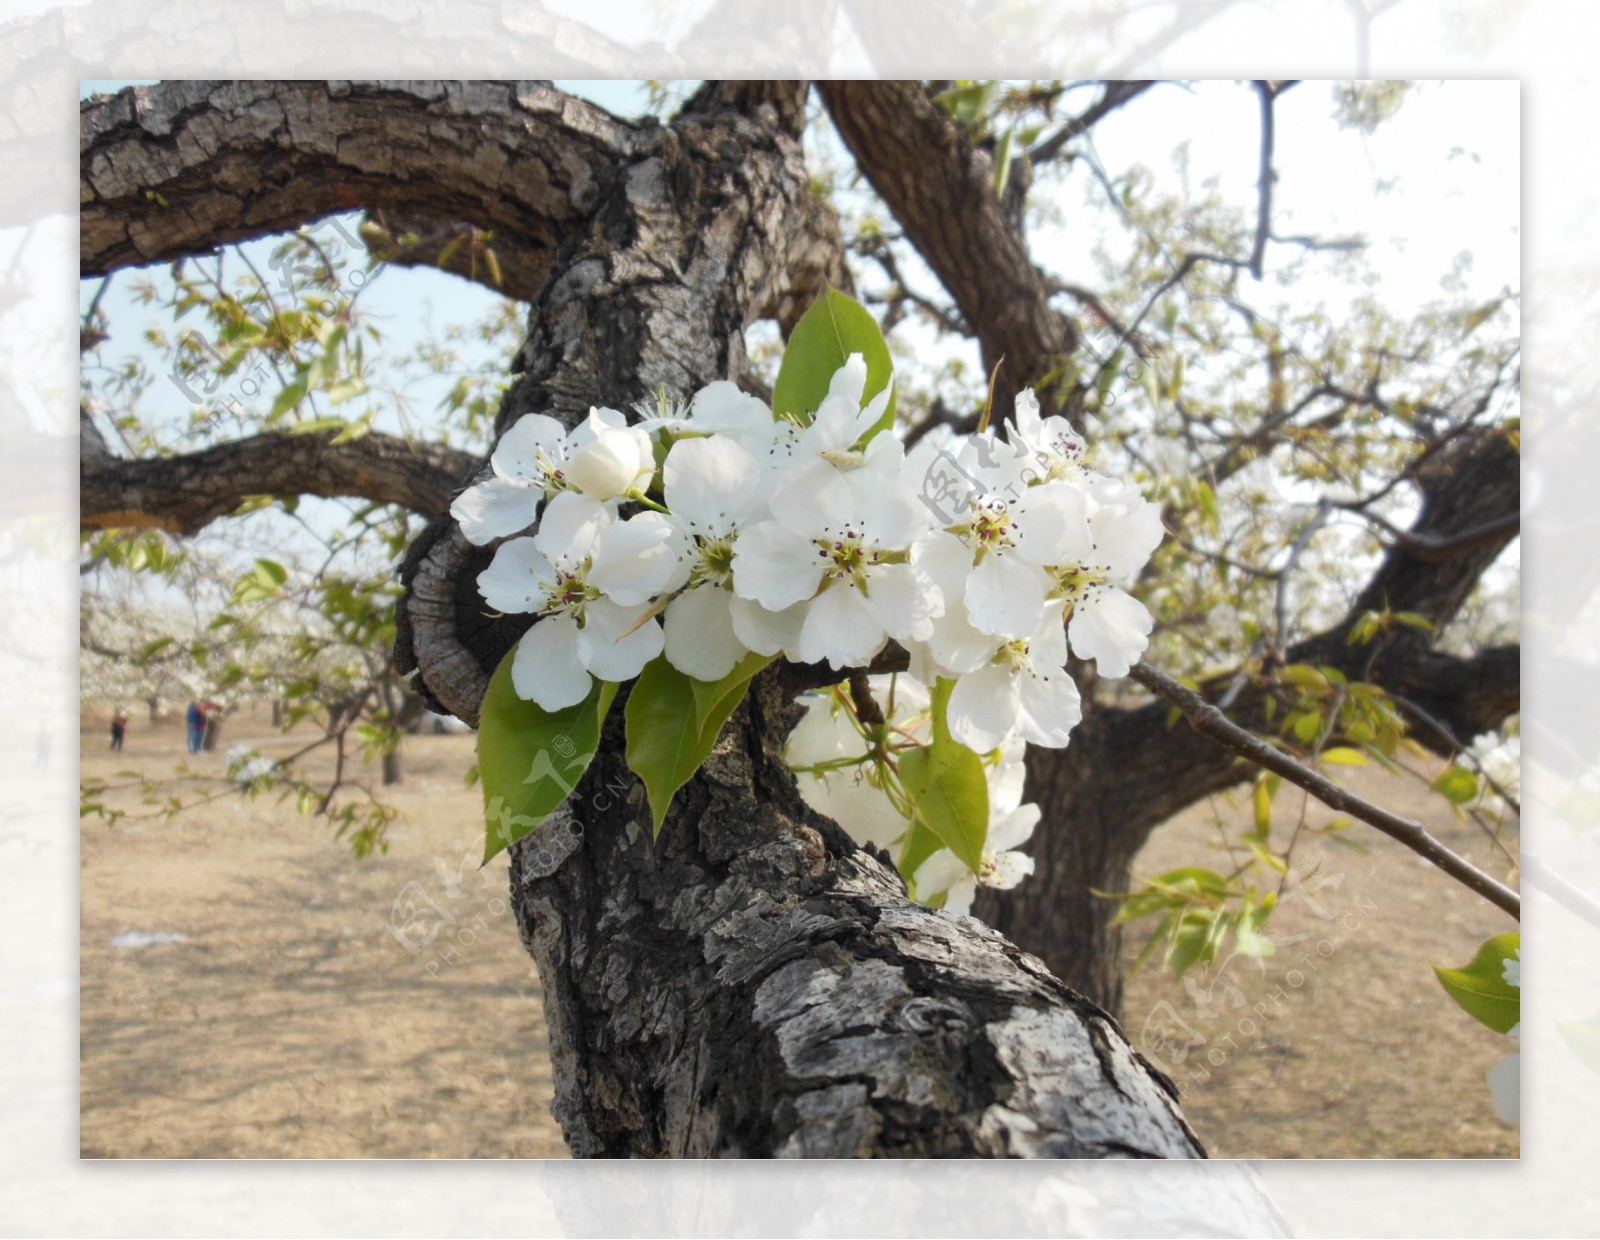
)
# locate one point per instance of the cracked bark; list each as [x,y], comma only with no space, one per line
[750,983]
[180,168]
[182,494]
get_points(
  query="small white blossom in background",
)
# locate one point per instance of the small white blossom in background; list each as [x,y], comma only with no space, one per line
[822,540]
[1500,759]
[246,765]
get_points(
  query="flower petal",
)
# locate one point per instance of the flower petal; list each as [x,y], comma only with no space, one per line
[775,567]
[532,439]
[545,669]
[904,600]
[1112,628]
[841,628]
[940,872]
[983,707]
[700,639]
[1007,870]
[1049,706]
[1005,596]
[1013,829]
[763,631]
[495,508]
[571,528]
[611,464]
[639,558]
[608,649]
[518,577]
[1054,524]
[1124,538]
[711,485]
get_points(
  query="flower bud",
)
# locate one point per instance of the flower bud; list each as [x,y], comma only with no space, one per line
[617,460]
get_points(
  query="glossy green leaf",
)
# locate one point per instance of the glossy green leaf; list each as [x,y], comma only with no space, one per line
[530,759]
[946,784]
[1481,987]
[709,694]
[668,737]
[822,341]
[1341,755]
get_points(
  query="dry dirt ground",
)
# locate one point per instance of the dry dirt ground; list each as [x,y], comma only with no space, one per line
[319,1006]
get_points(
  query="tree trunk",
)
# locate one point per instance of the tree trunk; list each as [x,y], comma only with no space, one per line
[750,983]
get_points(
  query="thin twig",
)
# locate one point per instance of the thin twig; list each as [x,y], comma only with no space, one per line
[1207,720]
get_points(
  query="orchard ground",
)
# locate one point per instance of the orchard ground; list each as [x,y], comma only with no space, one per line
[319,1006]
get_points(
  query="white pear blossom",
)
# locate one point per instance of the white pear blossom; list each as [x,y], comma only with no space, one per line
[818,540]
[1012,531]
[846,551]
[1024,688]
[616,460]
[712,488]
[1104,622]
[828,751]
[1054,449]
[529,466]
[579,630]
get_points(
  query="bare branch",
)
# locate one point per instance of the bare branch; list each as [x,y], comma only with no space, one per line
[1207,720]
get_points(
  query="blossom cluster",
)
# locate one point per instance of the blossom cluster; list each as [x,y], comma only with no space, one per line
[832,754]
[823,541]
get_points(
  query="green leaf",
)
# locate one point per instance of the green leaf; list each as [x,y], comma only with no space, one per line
[1481,988]
[947,787]
[822,341]
[1457,785]
[668,738]
[530,759]
[1342,755]
[1263,808]
[1002,162]
[271,573]
[709,694]
[291,395]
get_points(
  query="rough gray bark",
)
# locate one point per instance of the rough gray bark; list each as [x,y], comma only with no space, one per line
[182,168]
[182,494]
[705,226]
[750,982]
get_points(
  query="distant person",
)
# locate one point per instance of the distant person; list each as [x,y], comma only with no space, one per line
[212,712]
[195,720]
[119,729]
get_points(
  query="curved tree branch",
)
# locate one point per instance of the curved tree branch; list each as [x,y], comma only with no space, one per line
[182,494]
[941,189]
[183,167]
